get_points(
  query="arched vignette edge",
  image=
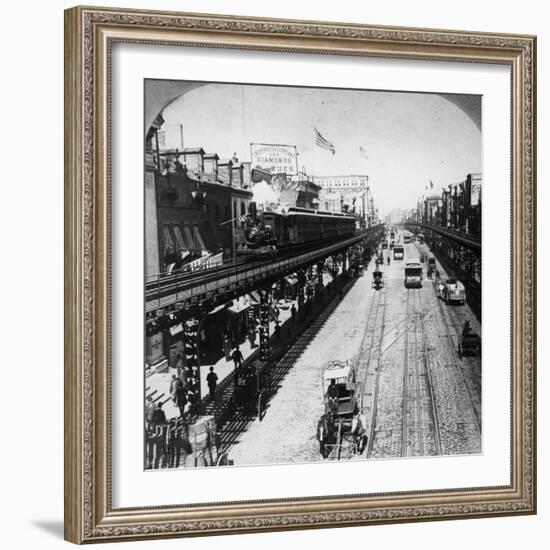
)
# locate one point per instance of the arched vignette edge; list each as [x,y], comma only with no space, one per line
[92,17]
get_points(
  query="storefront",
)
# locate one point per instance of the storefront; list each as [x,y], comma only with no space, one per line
[229,319]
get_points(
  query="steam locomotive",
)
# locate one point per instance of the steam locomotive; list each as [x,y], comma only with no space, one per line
[272,231]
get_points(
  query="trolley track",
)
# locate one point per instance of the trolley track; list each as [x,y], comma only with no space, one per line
[430,384]
[363,359]
[417,422]
[405,384]
[376,374]
[456,363]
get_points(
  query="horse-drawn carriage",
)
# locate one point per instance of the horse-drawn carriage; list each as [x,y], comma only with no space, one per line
[252,388]
[470,342]
[377,279]
[341,430]
[431,267]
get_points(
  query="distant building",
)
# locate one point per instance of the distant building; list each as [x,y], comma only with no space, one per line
[330,201]
[352,183]
[355,196]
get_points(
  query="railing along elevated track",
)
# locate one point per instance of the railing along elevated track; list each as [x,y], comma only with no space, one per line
[458,237]
[241,277]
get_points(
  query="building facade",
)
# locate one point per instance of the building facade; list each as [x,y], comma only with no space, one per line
[354,194]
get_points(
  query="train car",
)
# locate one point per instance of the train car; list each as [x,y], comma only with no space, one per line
[272,230]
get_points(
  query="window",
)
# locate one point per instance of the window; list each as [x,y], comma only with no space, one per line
[198,238]
[243,208]
[189,237]
[179,238]
[168,241]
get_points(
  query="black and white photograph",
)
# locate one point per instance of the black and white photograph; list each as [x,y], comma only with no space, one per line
[312,275]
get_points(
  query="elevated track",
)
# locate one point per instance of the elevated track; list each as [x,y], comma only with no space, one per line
[229,280]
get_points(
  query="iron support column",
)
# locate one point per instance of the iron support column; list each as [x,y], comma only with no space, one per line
[192,372]
[264,325]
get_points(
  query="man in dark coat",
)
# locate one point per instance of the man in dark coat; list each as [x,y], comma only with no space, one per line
[180,398]
[159,417]
[237,357]
[212,381]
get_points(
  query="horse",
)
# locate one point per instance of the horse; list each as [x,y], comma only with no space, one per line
[326,433]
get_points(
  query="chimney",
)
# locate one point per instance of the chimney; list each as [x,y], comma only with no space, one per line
[225,171]
[211,166]
[247,177]
[237,170]
[194,161]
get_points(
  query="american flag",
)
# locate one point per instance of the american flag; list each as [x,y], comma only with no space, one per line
[323,143]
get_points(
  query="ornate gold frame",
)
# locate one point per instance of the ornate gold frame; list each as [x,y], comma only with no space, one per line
[89,34]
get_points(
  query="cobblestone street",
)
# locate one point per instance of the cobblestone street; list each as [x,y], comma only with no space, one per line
[419,397]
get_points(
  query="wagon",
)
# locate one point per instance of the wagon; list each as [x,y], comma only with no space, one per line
[431,267]
[339,382]
[377,280]
[470,344]
[341,431]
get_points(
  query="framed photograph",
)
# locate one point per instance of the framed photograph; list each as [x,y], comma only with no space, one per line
[300,274]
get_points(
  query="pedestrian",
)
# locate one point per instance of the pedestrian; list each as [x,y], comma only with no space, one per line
[389,259]
[277,331]
[173,444]
[159,417]
[293,312]
[149,410]
[175,383]
[192,400]
[237,357]
[333,394]
[252,337]
[180,399]
[226,346]
[212,381]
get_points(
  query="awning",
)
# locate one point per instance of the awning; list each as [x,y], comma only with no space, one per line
[336,370]
[238,307]
[255,296]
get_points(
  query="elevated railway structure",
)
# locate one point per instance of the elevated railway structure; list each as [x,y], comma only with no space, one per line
[186,299]
[458,253]
[208,288]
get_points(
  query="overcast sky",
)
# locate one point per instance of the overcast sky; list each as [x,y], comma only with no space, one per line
[410,138]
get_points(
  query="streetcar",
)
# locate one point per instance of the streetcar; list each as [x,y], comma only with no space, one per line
[407,238]
[413,275]
[398,252]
